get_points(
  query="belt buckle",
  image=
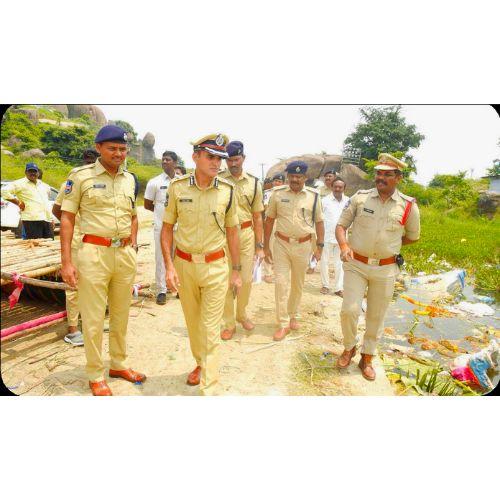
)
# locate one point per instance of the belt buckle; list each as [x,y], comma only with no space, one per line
[198,258]
[290,239]
[116,242]
[373,262]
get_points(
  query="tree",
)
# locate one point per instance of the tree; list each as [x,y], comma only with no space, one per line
[494,171]
[68,142]
[128,128]
[383,130]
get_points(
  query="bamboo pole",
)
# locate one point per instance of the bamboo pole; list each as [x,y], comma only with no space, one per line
[37,272]
[31,330]
[55,285]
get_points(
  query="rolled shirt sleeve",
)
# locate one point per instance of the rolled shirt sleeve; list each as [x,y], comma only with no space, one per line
[318,216]
[258,204]
[271,207]
[347,216]
[231,218]
[412,226]
[150,192]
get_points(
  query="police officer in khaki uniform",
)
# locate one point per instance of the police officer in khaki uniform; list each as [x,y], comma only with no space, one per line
[103,194]
[249,207]
[203,205]
[74,335]
[382,220]
[297,211]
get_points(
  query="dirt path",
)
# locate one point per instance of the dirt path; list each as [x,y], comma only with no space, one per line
[250,364]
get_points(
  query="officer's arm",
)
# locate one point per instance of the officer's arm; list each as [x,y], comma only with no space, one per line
[318,220]
[257,209]
[9,193]
[133,230]
[56,211]
[233,242]
[148,205]
[166,240]
[412,227]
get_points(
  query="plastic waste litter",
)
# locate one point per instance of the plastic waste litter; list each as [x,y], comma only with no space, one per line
[427,309]
[484,298]
[451,282]
[473,368]
[477,309]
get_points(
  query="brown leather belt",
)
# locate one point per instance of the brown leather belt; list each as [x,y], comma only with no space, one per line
[200,258]
[247,223]
[374,262]
[288,239]
[106,242]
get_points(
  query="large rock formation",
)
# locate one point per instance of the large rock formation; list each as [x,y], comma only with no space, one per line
[95,114]
[33,153]
[354,177]
[487,203]
[62,108]
[143,151]
[32,114]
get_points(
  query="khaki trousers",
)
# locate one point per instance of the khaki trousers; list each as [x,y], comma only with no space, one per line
[105,274]
[247,252]
[72,296]
[202,291]
[290,260]
[380,283]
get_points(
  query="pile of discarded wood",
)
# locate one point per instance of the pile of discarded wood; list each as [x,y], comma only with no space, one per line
[31,258]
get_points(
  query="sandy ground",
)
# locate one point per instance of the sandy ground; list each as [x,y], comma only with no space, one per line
[250,364]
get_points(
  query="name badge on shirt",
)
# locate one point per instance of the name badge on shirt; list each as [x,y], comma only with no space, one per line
[99,186]
[163,187]
[186,200]
[368,210]
[285,200]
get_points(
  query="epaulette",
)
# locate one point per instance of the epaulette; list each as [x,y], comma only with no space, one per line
[181,178]
[225,181]
[78,169]
[407,198]
[251,175]
[312,190]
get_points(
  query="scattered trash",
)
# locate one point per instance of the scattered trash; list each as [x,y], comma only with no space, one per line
[451,281]
[484,298]
[477,309]
[427,309]
[138,382]
[451,346]
[473,368]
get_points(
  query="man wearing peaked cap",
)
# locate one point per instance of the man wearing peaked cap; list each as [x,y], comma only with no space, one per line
[31,195]
[382,219]
[298,214]
[103,194]
[205,209]
[249,207]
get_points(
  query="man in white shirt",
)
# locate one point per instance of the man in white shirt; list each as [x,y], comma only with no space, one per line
[155,200]
[333,204]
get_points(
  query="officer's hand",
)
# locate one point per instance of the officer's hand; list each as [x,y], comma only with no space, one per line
[235,281]
[346,253]
[268,256]
[69,275]
[21,205]
[172,279]
[317,254]
[259,255]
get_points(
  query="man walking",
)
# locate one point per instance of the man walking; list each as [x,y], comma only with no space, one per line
[382,220]
[249,207]
[297,211]
[333,204]
[203,205]
[155,200]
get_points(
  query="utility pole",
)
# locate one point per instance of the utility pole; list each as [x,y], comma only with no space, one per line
[262,171]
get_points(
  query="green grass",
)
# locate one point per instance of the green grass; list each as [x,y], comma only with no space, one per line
[471,243]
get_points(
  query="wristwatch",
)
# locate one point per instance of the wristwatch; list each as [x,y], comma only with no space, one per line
[259,245]
[320,245]
[237,268]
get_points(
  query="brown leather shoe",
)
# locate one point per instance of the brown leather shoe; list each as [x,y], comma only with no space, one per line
[129,375]
[345,358]
[227,333]
[340,293]
[281,333]
[294,324]
[194,376]
[247,325]
[365,364]
[100,388]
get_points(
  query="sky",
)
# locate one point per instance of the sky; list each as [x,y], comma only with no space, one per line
[456,137]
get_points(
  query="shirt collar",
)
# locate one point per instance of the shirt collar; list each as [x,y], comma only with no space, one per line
[213,183]
[303,190]
[99,169]
[243,176]
[394,196]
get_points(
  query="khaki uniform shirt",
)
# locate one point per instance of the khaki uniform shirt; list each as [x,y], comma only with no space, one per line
[247,198]
[324,191]
[294,211]
[34,196]
[202,214]
[376,227]
[106,203]
[77,234]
